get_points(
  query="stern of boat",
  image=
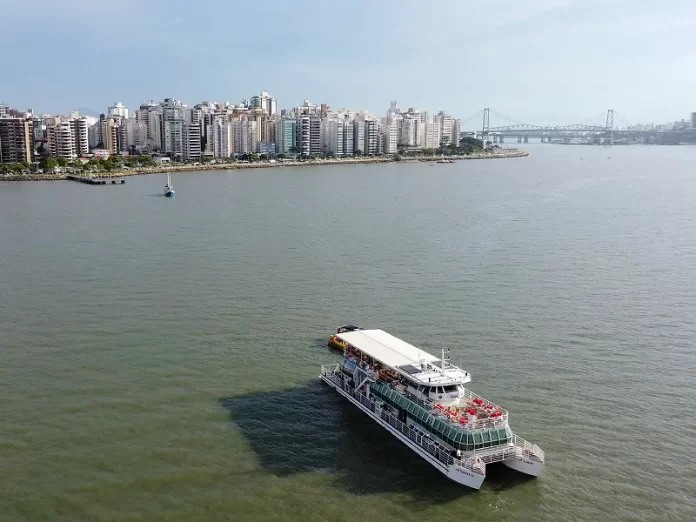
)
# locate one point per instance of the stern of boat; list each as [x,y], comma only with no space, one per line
[470,473]
[527,458]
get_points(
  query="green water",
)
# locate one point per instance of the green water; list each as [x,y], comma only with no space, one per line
[160,357]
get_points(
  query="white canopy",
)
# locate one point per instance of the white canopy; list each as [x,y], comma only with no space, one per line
[386,348]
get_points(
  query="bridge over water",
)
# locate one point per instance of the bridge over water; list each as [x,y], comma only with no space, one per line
[601,133]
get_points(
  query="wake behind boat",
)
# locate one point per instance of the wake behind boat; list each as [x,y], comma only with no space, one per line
[168,188]
[422,401]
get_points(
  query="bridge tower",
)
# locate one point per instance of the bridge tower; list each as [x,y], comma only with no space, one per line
[610,125]
[486,125]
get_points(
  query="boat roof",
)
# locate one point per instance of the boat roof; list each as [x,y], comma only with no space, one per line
[403,357]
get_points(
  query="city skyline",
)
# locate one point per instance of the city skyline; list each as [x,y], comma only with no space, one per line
[550,62]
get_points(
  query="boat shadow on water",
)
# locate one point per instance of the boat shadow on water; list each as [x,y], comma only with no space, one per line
[311,428]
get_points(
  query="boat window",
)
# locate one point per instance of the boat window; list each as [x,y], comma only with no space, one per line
[451,389]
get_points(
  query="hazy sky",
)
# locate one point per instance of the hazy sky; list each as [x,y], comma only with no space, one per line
[536,61]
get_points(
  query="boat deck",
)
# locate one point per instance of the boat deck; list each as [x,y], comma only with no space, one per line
[471,412]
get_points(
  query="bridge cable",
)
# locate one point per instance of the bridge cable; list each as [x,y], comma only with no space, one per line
[473,116]
[623,120]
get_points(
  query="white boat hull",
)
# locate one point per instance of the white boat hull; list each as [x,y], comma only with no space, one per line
[526,465]
[460,475]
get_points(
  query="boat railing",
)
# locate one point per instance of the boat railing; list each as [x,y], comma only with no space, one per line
[421,438]
[516,447]
[329,369]
[527,448]
[489,422]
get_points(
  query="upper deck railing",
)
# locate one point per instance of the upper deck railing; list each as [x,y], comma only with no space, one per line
[516,447]
[477,424]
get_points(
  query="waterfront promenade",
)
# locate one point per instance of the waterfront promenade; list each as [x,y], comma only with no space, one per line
[502,154]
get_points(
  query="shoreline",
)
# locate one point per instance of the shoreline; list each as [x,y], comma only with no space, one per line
[514,153]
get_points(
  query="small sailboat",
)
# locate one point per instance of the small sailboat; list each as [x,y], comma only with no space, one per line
[168,189]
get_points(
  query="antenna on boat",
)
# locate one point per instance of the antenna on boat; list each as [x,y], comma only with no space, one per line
[444,361]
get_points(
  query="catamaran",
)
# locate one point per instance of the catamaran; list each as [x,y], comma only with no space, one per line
[168,188]
[422,401]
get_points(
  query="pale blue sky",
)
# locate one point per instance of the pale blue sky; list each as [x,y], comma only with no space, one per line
[537,61]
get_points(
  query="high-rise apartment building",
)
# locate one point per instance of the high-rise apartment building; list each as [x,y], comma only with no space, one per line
[338,138]
[408,134]
[449,129]
[314,135]
[286,135]
[433,134]
[113,142]
[118,109]
[192,141]
[308,129]
[221,137]
[348,136]
[173,120]
[136,134]
[61,139]
[264,101]
[389,137]
[446,125]
[358,137]
[81,130]
[302,129]
[150,115]
[372,145]
[16,140]
[456,131]
[244,139]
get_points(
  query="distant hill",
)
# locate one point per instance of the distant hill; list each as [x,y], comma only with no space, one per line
[86,111]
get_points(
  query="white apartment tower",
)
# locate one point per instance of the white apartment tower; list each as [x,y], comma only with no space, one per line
[408,134]
[449,128]
[433,134]
[358,137]
[136,134]
[221,137]
[192,141]
[264,101]
[173,120]
[118,109]
[372,145]
[81,130]
[61,139]
[389,137]
[302,130]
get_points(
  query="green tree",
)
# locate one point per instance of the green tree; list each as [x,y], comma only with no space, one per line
[145,160]
[397,157]
[62,162]
[358,153]
[263,157]
[295,149]
[48,164]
